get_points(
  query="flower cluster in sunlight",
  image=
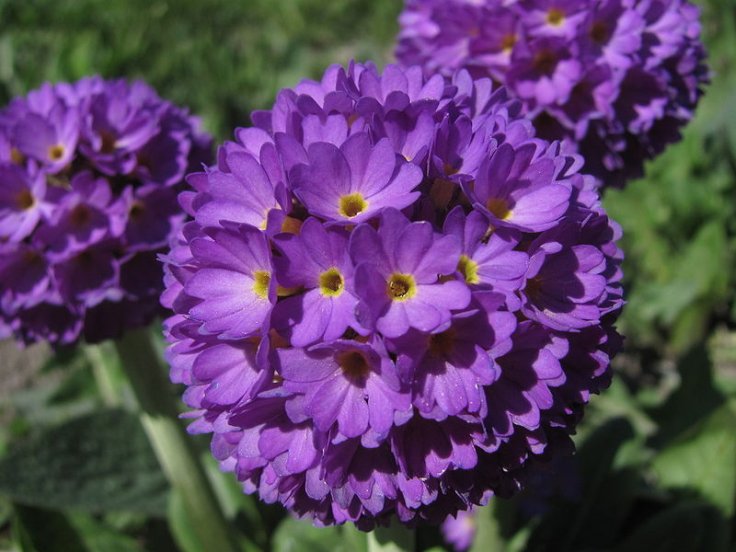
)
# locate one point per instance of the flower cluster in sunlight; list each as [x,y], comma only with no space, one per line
[391,297]
[616,79]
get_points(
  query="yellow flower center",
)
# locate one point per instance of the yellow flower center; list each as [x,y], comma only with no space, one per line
[261,282]
[449,169]
[331,283]
[16,156]
[291,225]
[508,42]
[352,205]
[469,269]
[401,287]
[282,291]
[499,207]
[352,118]
[555,17]
[56,152]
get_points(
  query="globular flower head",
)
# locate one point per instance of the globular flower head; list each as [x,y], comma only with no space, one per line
[616,79]
[89,176]
[391,298]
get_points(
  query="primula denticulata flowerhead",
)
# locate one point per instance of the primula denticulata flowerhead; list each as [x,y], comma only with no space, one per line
[616,79]
[89,176]
[391,298]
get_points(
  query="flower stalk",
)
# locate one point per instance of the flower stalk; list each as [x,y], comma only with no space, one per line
[173,448]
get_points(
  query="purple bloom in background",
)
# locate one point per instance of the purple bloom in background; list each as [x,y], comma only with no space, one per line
[392,298]
[22,202]
[616,79]
[459,530]
[89,177]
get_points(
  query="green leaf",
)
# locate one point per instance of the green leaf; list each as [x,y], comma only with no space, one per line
[722,349]
[685,527]
[695,399]
[488,533]
[41,530]
[99,537]
[243,508]
[702,462]
[183,532]
[607,495]
[99,462]
[395,538]
[293,535]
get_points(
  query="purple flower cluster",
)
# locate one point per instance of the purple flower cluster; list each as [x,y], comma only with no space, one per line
[392,298]
[616,79]
[89,176]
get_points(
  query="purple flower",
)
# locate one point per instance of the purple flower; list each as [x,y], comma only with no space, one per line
[616,79]
[392,298]
[242,193]
[553,17]
[449,369]
[516,188]
[235,282]
[119,124]
[348,384]
[50,140]
[84,216]
[543,72]
[90,173]
[22,202]
[351,184]
[459,530]
[317,260]
[400,283]
[489,259]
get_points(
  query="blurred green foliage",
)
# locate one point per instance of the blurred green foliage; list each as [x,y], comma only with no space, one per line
[223,58]
[680,221]
[657,452]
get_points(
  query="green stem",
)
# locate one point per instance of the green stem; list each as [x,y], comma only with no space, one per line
[102,370]
[395,538]
[488,537]
[173,448]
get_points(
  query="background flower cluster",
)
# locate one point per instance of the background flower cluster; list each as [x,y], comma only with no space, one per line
[616,78]
[90,174]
